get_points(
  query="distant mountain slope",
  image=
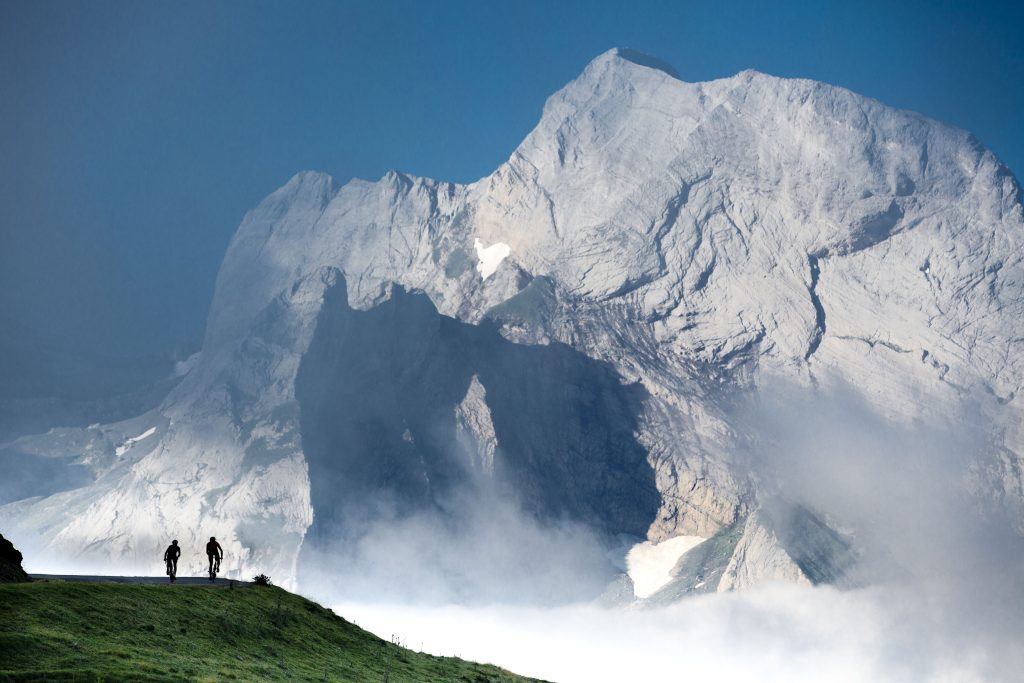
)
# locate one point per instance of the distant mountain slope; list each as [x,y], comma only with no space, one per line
[46,384]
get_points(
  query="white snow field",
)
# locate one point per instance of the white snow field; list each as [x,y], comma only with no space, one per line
[649,565]
[128,443]
[490,257]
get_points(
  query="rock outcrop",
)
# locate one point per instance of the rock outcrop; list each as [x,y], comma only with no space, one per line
[10,563]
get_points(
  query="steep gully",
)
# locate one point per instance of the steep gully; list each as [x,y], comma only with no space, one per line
[379,390]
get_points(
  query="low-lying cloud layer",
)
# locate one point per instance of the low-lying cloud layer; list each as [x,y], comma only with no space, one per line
[778,633]
[937,597]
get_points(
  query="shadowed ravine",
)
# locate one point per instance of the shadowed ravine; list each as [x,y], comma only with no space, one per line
[379,393]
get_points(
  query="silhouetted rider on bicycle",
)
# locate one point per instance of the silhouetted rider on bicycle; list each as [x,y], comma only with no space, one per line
[171,556]
[215,554]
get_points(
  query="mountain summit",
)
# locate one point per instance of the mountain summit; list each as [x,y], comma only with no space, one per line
[575,336]
[641,59]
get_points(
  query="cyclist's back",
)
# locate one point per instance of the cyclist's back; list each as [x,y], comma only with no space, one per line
[214,553]
[171,556]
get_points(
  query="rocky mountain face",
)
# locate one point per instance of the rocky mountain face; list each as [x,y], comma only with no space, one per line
[577,332]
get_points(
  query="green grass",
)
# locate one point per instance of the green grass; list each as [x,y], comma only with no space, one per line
[57,631]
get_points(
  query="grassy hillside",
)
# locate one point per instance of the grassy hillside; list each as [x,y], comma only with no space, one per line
[57,631]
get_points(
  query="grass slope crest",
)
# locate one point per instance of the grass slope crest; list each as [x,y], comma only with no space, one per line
[64,631]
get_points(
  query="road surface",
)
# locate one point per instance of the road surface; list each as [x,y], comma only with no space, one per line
[181,580]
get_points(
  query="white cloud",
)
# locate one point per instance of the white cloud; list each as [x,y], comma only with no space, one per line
[780,633]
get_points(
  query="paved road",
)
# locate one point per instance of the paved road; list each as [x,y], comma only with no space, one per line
[181,580]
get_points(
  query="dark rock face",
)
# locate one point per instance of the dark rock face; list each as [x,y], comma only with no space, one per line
[379,391]
[822,554]
[10,563]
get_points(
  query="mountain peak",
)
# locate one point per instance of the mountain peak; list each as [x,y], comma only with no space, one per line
[640,59]
[696,240]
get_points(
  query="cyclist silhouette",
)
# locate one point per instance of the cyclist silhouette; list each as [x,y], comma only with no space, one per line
[171,556]
[215,554]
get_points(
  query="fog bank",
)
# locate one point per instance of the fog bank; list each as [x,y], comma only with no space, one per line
[935,597]
[778,633]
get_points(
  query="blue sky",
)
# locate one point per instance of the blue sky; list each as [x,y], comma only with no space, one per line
[135,135]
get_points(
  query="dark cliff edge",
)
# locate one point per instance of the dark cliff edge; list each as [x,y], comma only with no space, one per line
[10,563]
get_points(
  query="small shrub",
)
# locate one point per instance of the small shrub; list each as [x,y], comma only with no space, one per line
[261,580]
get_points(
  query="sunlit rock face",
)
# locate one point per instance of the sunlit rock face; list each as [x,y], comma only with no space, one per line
[667,249]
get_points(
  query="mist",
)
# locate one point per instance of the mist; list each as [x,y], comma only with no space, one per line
[912,492]
[775,633]
[482,550]
[934,596]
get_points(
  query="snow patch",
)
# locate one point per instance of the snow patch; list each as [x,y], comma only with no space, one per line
[124,447]
[650,565]
[490,257]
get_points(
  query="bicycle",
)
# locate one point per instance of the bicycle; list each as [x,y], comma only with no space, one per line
[172,570]
[214,567]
